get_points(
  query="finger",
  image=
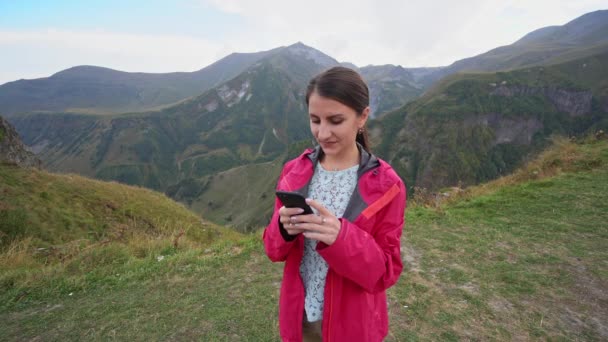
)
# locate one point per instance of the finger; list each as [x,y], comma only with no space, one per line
[284,211]
[313,227]
[320,208]
[287,223]
[309,218]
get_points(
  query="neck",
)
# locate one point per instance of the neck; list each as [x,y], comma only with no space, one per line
[342,161]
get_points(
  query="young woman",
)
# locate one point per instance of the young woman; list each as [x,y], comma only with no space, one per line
[340,260]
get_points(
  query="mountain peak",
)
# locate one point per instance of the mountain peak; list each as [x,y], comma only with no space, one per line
[308,52]
[588,28]
[595,17]
[299,45]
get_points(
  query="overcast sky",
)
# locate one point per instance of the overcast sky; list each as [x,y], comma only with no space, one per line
[39,38]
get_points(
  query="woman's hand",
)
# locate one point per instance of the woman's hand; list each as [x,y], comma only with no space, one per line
[323,227]
[286,216]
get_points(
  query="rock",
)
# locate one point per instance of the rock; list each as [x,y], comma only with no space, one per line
[12,150]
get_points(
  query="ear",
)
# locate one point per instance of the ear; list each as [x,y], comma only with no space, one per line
[363,117]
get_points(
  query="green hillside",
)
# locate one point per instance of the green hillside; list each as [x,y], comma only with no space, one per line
[65,214]
[520,258]
[475,127]
[241,198]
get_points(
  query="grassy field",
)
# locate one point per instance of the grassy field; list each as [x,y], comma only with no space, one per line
[521,258]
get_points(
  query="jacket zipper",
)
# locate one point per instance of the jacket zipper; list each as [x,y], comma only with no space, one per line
[331,297]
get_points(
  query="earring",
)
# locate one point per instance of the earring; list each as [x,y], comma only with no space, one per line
[360,130]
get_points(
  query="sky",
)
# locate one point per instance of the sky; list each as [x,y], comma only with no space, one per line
[42,37]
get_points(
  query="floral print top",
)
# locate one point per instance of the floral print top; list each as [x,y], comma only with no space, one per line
[333,190]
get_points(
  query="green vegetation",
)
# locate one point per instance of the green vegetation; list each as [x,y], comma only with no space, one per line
[49,210]
[519,258]
[522,257]
[472,128]
[256,112]
[241,198]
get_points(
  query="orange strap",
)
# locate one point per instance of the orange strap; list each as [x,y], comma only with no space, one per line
[381,202]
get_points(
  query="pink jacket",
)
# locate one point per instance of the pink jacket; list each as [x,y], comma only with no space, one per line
[363,262]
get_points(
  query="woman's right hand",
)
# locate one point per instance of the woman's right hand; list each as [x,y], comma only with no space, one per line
[285,215]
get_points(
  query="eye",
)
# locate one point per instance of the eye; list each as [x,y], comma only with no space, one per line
[337,121]
[315,121]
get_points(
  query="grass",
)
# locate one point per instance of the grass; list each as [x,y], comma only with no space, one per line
[55,208]
[520,259]
[206,294]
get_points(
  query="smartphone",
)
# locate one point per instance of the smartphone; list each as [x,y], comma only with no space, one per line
[294,200]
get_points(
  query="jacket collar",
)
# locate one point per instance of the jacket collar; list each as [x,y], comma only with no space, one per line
[367,161]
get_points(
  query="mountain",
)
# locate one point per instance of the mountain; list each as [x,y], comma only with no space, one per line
[99,90]
[474,127]
[102,90]
[249,119]
[12,150]
[465,129]
[584,36]
[390,87]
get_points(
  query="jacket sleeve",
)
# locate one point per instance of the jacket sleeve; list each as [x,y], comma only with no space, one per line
[373,262]
[277,242]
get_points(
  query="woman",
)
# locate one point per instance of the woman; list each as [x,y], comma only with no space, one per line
[340,260]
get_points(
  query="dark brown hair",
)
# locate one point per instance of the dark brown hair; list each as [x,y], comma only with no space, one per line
[345,86]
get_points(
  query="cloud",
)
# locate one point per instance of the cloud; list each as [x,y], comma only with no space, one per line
[410,33]
[31,52]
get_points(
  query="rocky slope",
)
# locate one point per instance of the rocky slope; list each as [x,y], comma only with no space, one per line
[12,150]
[476,127]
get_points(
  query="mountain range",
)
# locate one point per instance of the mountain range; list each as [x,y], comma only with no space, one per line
[215,139]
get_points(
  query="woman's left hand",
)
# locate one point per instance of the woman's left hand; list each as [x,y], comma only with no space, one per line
[323,227]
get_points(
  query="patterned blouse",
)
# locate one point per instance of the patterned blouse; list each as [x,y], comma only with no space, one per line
[333,190]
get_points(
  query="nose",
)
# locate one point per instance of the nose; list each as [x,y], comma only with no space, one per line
[324,132]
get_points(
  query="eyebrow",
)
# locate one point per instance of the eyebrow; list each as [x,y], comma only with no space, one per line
[332,116]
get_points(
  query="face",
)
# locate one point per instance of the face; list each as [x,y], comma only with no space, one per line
[334,124]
